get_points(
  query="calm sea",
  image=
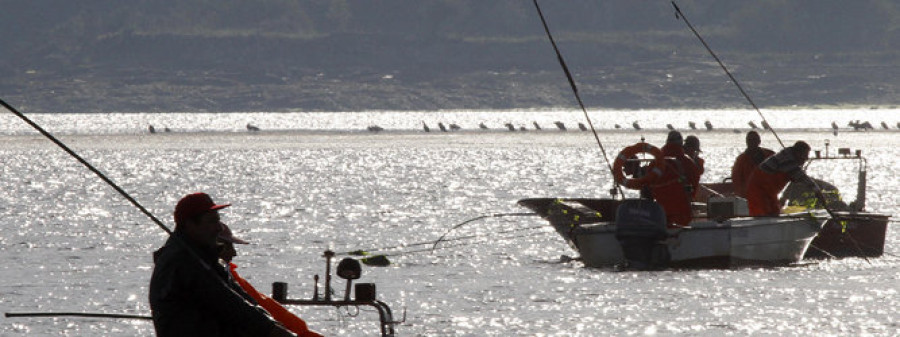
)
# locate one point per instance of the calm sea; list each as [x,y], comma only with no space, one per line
[312,181]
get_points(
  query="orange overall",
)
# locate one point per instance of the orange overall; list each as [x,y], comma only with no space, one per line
[762,192]
[278,312]
[675,188]
[744,166]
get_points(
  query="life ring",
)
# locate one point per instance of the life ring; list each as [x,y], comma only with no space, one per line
[656,171]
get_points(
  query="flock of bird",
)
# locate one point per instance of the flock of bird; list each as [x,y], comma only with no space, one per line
[855,125]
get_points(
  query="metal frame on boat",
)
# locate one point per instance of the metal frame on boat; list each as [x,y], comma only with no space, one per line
[348,269]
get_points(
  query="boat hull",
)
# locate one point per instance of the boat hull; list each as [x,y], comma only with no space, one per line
[589,228]
[851,235]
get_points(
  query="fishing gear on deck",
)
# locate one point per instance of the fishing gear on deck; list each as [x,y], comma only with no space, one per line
[680,15]
[565,68]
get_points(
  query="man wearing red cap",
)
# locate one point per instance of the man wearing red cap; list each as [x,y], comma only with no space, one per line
[190,294]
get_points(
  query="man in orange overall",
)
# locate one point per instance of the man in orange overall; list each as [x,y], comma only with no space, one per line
[279,313]
[770,177]
[675,188]
[692,150]
[747,162]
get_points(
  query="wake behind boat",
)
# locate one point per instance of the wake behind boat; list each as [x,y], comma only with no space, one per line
[611,232]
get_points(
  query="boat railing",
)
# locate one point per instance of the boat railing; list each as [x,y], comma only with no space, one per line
[348,269]
[845,154]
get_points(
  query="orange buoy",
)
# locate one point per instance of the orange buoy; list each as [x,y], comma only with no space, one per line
[630,152]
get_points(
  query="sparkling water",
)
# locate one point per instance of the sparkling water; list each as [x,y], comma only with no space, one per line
[312,181]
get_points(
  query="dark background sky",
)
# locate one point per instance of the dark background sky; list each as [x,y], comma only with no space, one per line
[345,55]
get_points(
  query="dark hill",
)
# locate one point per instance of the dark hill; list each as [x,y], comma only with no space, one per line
[278,55]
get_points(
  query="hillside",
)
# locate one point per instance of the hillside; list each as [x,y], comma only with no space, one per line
[281,55]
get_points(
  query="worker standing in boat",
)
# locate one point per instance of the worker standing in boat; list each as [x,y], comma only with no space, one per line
[747,162]
[692,150]
[190,294]
[227,240]
[675,188]
[770,177]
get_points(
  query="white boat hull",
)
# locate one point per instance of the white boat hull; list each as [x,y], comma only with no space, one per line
[733,242]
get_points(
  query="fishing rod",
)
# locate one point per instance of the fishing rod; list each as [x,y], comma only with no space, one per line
[105,179]
[178,240]
[76,314]
[680,15]
[565,68]
[86,164]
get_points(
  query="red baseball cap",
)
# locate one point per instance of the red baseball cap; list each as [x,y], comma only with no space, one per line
[192,205]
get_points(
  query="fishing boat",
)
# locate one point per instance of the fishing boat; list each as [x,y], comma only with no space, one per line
[853,231]
[633,233]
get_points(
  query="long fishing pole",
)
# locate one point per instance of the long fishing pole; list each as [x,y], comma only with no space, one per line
[680,15]
[76,314]
[86,164]
[565,68]
[178,240]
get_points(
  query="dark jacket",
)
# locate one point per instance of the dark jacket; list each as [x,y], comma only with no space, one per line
[188,298]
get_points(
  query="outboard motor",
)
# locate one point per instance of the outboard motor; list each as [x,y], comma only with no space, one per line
[640,229]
